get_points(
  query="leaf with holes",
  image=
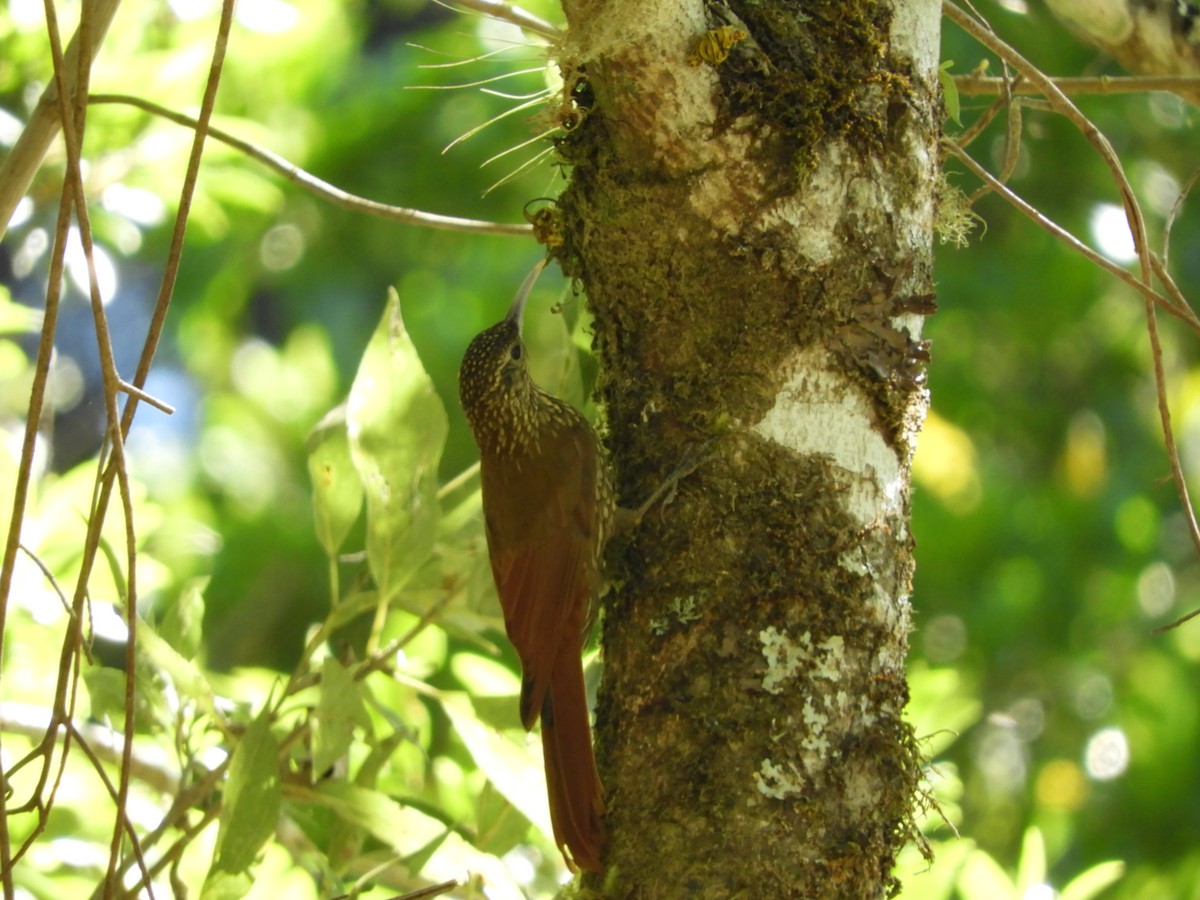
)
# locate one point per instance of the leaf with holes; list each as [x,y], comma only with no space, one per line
[337,489]
[397,427]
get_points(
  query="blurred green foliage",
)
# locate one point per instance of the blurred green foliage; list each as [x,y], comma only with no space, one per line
[1049,542]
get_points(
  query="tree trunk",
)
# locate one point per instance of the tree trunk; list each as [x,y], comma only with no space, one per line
[755,238]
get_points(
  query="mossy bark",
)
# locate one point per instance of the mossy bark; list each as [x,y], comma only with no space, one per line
[755,240]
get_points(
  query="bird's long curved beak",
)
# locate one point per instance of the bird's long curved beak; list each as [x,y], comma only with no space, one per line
[518,305]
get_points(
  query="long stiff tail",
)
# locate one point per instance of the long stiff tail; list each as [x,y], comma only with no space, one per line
[572,782]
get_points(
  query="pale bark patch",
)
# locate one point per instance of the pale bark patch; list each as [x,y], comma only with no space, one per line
[819,411]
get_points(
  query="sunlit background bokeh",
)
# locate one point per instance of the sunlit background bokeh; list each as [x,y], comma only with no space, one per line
[1050,541]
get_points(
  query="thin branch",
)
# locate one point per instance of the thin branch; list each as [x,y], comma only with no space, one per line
[25,158]
[70,85]
[507,12]
[471,471]
[314,185]
[73,122]
[135,391]
[175,252]
[199,795]
[1186,617]
[120,802]
[1148,262]
[34,722]
[983,121]
[986,85]
[383,659]
[1164,416]
[1063,105]
[175,851]
[62,597]
[68,681]
[1174,214]
[1185,314]
[20,497]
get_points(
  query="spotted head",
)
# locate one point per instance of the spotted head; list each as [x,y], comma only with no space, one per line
[494,378]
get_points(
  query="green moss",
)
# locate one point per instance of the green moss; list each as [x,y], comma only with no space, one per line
[827,73]
[696,331]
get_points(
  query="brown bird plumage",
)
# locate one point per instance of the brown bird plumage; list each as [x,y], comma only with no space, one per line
[548,508]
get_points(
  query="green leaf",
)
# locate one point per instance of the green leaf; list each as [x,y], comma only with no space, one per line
[337,489]
[114,568]
[406,830]
[925,881]
[189,681]
[226,886]
[182,626]
[501,825]
[250,811]
[353,606]
[982,878]
[1031,869]
[1093,881]
[415,835]
[339,709]
[106,691]
[397,427]
[943,705]
[466,512]
[515,772]
[949,91]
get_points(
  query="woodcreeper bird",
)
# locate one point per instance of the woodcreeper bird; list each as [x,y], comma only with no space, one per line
[548,507]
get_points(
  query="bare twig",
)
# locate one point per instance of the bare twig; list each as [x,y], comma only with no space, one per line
[34,722]
[320,188]
[65,108]
[58,103]
[1149,264]
[1063,105]
[1186,617]
[383,658]
[1164,416]
[1160,268]
[471,471]
[20,498]
[985,85]
[985,119]
[1174,214]
[125,761]
[1183,313]
[72,112]
[175,851]
[507,12]
[135,391]
[202,794]
[49,576]
[25,158]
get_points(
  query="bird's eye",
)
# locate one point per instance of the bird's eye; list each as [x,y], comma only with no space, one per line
[515,352]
